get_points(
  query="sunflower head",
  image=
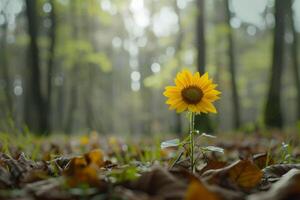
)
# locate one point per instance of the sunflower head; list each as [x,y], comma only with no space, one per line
[192,92]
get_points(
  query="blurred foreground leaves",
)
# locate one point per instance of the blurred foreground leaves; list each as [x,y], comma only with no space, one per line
[94,167]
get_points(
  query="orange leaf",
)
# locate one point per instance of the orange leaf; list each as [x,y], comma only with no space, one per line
[75,164]
[262,160]
[243,174]
[197,191]
[84,169]
[95,156]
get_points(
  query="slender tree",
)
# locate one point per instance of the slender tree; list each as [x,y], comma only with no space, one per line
[218,35]
[75,70]
[202,122]
[35,115]
[5,69]
[273,114]
[294,51]
[232,69]
[52,38]
[178,48]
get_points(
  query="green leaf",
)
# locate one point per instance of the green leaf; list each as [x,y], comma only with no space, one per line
[207,135]
[213,148]
[170,143]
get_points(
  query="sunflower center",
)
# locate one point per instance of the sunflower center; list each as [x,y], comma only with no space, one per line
[192,95]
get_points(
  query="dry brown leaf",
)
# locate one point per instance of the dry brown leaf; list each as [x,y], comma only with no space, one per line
[274,172]
[124,193]
[222,193]
[287,188]
[160,182]
[242,174]
[197,191]
[22,170]
[212,164]
[5,179]
[245,174]
[262,160]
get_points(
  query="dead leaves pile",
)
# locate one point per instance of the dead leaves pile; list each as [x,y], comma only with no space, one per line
[88,176]
[85,169]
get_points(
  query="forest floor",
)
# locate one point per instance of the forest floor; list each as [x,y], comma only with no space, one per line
[255,166]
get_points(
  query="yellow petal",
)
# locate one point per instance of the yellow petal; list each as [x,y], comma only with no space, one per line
[182,107]
[180,82]
[209,87]
[192,108]
[176,104]
[209,106]
[211,96]
[172,89]
[172,94]
[203,79]
[197,75]
[173,101]
[188,76]
[200,108]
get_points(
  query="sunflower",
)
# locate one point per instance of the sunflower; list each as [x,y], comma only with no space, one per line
[194,93]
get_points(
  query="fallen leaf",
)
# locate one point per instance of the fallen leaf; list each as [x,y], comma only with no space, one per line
[5,179]
[287,188]
[212,164]
[160,182]
[78,172]
[274,172]
[95,156]
[197,191]
[245,174]
[242,174]
[219,192]
[262,160]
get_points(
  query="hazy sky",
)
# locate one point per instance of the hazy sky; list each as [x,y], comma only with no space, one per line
[249,11]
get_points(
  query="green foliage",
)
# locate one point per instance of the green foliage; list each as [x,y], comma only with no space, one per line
[158,80]
[99,59]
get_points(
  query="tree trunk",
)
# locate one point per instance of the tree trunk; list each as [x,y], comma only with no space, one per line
[200,38]
[294,50]
[73,99]
[273,114]
[89,97]
[5,70]
[178,48]
[232,69]
[60,104]
[218,22]
[74,73]
[202,122]
[35,115]
[52,37]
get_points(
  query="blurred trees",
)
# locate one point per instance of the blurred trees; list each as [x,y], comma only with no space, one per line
[232,69]
[75,71]
[202,122]
[103,64]
[294,53]
[273,113]
[50,63]
[5,68]
[35,113]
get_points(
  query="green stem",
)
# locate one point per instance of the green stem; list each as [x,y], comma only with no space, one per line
[192,141]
